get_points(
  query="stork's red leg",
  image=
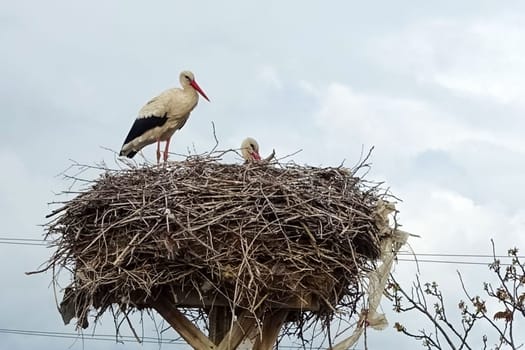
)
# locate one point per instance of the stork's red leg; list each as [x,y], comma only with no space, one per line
[167,149]
[158,151]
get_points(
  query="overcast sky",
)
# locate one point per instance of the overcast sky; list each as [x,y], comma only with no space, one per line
[436,87]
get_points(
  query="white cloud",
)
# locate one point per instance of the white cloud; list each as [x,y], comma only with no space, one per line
[478,57]
[23,197]
[450,222]
[409,134]
[268,75]
[403,126]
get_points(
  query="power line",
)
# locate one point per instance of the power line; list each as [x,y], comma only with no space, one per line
[103,337]
[462,255]
[436,256]
[24,241]
[450,262]
[107,337]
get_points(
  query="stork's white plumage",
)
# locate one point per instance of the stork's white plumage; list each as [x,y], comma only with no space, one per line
[250,150]
[162,116]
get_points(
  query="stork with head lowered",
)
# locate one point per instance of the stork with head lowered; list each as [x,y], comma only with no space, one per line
[250,150]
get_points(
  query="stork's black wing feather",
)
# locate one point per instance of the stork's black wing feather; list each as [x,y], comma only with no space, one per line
[141,125]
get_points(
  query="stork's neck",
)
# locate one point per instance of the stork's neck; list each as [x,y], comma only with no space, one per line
[187,99]
[191,92]
[187,88]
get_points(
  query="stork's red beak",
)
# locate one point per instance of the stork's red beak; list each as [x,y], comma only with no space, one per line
[199,90]
[256,155]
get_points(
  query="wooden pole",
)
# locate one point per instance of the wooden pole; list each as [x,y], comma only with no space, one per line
[239,330]
[220,321]
[222,336]
[183,326]
[270,331]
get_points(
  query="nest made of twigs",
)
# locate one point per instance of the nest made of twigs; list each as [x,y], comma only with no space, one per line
[253,235]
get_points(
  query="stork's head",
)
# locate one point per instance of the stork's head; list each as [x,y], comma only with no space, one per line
[188,79]
[250,150]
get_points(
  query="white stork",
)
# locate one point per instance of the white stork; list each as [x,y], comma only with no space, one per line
[162,116]
[250,150]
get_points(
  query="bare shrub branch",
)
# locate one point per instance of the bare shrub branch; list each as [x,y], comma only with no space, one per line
[427,300]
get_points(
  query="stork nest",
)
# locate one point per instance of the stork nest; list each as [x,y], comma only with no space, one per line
[254,236]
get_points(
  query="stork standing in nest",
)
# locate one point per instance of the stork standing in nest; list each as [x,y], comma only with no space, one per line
[162,116]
